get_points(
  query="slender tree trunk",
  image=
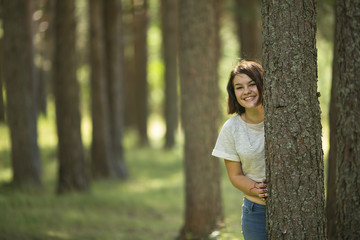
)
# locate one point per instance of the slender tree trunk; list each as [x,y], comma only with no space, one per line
[169,10]
[100,148]
[348,124]
[331,178]
[20,88]
[140,57]
[248,19]
[294,157]
[200,114]
[72,173]
[114,69]
[2,103]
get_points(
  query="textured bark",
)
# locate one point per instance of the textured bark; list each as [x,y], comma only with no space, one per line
[20,88]
[294,157]
[100,146]
[331,178]
[114,72]
[169,22]
[140,25]
[199,114]
[248,19]
[348,124]
[72,173]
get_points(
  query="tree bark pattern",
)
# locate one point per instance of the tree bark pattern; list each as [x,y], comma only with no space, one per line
[170,46]
[200,115]
[348,124]
[19,76]
[100,146]
[72,171]
[294,157]
[114,73]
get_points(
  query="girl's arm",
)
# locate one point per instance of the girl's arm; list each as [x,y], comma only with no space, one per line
[243,183]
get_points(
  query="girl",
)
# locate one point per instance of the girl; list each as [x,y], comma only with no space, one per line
[241,144]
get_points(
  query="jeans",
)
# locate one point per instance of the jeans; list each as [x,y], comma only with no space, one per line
[253,221]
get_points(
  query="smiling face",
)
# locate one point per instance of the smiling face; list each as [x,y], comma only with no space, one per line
[246,91]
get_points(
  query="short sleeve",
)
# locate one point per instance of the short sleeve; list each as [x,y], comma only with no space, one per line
[225,145]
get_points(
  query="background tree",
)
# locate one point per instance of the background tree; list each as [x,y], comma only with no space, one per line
[169,10]
[140,24]
[348,125]
[294,166]
[199,114]
[114,72]
[248,23]
[21,91]
[100,147]
[72,173]
[2,103]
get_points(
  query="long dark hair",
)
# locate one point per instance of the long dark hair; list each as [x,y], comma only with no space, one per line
[254,71]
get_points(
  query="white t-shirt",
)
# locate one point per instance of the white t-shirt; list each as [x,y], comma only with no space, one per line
[243,142]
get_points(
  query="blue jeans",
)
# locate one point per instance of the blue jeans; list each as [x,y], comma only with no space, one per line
[253,220]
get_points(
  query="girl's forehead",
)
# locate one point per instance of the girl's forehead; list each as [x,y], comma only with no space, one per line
[242,78]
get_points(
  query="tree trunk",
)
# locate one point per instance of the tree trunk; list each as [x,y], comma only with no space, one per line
[294,157]
[200,114]
[331,178]
[348,124]
[140,57]
[2,103]
[100,148]
[19,79]
[72,173]
[248,19]
[169,10]
[114,69]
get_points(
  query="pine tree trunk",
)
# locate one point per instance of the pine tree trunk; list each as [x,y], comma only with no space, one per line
[348,124]
[140,57]
[169,22]
[100,147]
[114,71]
[72,171]
[294,157]
[200,115]
[248,19]
[331,178]
[20,91]
[2,103]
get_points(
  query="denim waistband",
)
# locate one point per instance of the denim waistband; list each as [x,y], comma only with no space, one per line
[252,205]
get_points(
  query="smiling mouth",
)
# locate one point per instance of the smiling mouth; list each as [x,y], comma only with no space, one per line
[249,98]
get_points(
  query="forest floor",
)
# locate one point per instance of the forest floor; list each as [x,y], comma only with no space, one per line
[149,205]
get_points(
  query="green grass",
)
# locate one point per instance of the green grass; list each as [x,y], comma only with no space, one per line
[149,205]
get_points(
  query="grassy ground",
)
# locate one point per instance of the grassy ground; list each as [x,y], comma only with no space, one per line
[148,206]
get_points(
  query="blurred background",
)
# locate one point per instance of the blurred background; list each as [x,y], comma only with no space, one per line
[123,73]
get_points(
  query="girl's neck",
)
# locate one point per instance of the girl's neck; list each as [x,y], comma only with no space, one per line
[253,115]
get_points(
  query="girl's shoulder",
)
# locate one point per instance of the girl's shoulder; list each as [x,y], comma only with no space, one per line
[233,122]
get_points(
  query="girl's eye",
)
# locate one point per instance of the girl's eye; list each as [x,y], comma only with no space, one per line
[239,87]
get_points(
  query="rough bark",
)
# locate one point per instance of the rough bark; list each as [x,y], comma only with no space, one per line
[170,46]
[19,79]
[114,72]
[100,146]
[331,178]
[348,124]
[199,114]
[294,157]
[248,19]
[72,170]
[140,24]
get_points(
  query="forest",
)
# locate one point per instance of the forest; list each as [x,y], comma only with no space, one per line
[109,112]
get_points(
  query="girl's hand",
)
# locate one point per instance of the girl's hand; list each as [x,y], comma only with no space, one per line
[263,190]
[260,190]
